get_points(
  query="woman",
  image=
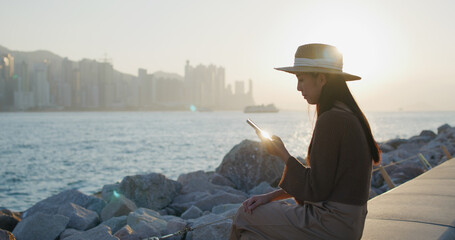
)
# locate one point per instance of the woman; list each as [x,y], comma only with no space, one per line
[332,194]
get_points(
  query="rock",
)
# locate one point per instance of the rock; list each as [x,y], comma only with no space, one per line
[119,206]
[80,218]
[145,230]
[207,203]
[263,187]
[217,231]
[115,223]
[175,225]
[377,180]
[6,235]
[168,218]
[384,147]
[395,156]
[182,202]
[185,178]
[427,133]
[9,219]
[372,194]
[68,232]
[203,185]
[153,191]
[192,212]
[101,232]
[395,143]
[52,204]
[221,180]
[404,173]
[170,211]
[125,233]
[107,193]
[146,215]
[40,226]
[443,128]
[248,164]
[219,209]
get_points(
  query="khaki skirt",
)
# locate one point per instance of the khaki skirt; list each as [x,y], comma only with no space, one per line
[281,220]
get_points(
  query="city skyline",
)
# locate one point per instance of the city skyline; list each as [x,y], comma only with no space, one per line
[42,80]
[403,50]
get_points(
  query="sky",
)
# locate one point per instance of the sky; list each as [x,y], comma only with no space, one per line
[403,50]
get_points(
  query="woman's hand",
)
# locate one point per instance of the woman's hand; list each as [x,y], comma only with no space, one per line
[275,147]
[255,201]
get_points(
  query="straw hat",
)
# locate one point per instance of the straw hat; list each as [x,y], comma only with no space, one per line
[318,58]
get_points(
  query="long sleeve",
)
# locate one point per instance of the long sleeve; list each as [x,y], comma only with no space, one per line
[316,183]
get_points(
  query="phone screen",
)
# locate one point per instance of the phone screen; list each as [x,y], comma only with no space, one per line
[258,129]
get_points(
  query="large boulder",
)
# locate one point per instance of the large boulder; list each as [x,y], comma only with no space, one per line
[101,232]
[118,206]
[80,218]
[248,164]
[41,226]
[153,191]
[51,205]
[9,219]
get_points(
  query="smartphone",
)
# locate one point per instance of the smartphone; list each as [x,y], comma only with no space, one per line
[258,129]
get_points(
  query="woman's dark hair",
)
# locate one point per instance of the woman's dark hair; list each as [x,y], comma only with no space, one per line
[336,89]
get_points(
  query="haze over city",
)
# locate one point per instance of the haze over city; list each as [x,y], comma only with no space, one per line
[403,50]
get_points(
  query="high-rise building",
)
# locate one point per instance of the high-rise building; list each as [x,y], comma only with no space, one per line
[204,85]
[7,84]
[88,70]
[40,85]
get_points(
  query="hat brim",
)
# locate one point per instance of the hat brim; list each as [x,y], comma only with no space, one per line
[302,69]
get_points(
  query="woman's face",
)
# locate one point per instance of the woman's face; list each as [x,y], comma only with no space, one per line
[310,86]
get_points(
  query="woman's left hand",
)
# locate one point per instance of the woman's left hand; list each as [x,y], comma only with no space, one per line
[255,201]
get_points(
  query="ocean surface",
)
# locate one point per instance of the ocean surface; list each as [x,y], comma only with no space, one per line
[42,154]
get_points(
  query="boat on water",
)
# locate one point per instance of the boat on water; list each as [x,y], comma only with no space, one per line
[270,108]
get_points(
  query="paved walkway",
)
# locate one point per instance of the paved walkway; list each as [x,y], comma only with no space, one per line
[423,208]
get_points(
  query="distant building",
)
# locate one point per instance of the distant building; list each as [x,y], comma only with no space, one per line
[204,85]
[7,84]
[40,85]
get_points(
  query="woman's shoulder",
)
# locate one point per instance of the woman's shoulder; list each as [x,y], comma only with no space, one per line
[336,116]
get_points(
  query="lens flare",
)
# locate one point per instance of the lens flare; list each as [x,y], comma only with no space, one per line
[193,108]
[266,135]
[116,194]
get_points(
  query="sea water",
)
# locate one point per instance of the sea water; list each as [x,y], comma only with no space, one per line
[44,153]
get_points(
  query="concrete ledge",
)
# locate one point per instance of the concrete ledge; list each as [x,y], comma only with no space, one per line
[423,208]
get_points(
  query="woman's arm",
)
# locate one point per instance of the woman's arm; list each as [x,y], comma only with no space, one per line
[279,195]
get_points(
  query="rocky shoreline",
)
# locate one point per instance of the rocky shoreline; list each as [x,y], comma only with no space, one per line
[143,206]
